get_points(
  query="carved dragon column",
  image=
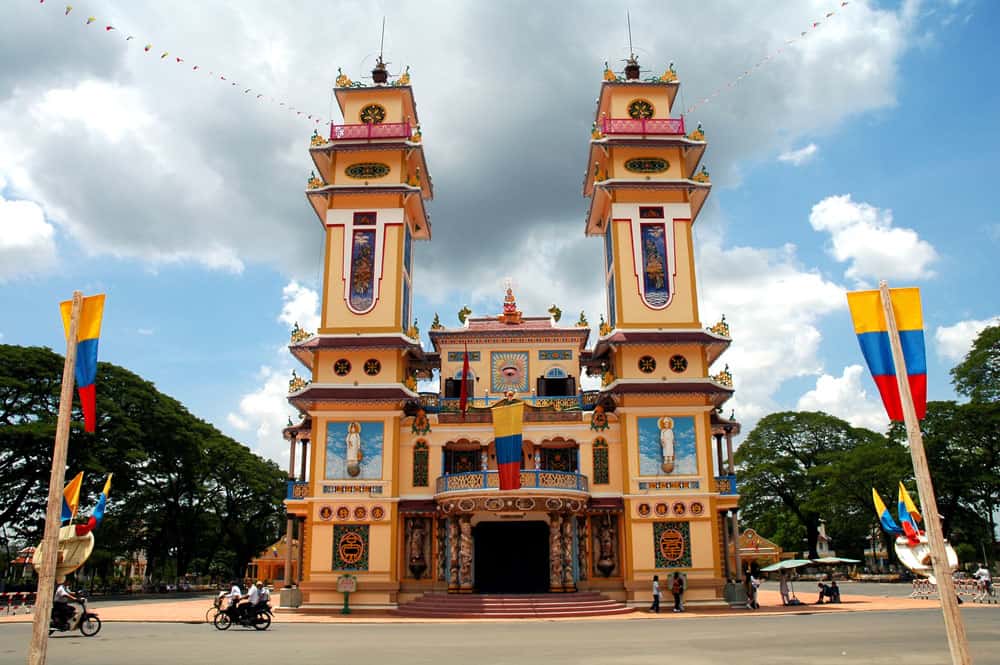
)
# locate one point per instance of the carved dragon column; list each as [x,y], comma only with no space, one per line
[583,546]
[555,553]
[453,554]
[568,584]
[465,553]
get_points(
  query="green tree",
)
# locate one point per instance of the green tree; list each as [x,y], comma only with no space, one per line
[181,491]
[777,465]
[978,375]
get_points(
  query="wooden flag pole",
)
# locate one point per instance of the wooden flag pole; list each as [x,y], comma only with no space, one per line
[957,642]
[50,541]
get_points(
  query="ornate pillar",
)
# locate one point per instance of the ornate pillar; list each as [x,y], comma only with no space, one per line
[440,569]
[583,546]
[718,454]
[725,545]
[453,554]
[302,548]
[736,547]
[555,553]
[290,525]
[305,458]
[729,450]
[568,584]
[465,553]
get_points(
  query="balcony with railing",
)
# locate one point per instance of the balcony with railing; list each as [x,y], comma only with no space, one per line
[297,489]
[643,126]
[582,401]
[726,484]
[370,131]
[531,479]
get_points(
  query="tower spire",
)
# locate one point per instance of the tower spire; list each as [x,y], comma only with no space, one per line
[380,75]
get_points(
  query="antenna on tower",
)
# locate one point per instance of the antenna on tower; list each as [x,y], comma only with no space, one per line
[628,22]
[381,42]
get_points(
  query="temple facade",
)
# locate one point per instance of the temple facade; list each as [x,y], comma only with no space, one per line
[399,488]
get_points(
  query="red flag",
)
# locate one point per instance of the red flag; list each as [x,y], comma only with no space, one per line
[463,396]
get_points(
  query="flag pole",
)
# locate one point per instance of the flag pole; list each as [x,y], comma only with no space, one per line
[955,628]
[50,541]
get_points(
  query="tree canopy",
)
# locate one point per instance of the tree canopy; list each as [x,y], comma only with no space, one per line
[192,498]
[978,375]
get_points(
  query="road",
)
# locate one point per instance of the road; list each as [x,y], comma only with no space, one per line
[915,637]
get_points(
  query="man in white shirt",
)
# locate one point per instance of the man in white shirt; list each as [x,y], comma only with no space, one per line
[265,593]
[253,595]
[983,575]
[61,611]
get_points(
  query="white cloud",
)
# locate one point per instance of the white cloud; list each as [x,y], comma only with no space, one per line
[27,241]
[864,236]
[265,411]
[847,397]
[954,341]
[301,305]
[145,331]
[766,295]
[800,156]
[107,109]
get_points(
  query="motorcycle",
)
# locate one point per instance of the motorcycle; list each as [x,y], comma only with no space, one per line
[88,622]
[258,618]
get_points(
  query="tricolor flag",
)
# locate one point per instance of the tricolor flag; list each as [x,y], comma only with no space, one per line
[87,332]
[71,497]
[909,516]
[98,515]
[888,524]
[873,335]
[507,419]
[463,395]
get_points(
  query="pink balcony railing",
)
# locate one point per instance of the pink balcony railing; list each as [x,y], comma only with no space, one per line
[659,126]
[385,130]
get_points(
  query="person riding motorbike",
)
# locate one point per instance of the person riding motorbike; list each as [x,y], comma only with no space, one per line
[61,610]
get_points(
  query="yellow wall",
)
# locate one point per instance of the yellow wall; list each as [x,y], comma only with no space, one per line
[627,362]
[387,313]
[682,310]
[392,102]
[392,370]
[391,159]
[671,155]
[481,369]
[622,96]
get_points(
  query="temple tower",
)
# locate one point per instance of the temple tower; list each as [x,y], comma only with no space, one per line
[646,191]
[368,190]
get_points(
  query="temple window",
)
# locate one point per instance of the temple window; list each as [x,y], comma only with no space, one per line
[420,460]
[453,387]
[555,383]
[601,476]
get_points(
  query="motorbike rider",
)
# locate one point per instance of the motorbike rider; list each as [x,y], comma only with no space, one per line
[265,595]
[235,596]
[253,597]
[61,610]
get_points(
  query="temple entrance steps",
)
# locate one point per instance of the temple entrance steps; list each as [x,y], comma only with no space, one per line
[512,606]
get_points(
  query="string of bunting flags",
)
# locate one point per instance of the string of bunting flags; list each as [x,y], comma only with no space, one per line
[767,58]
[218,76]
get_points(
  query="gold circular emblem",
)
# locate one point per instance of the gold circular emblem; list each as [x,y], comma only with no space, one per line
[697,508]
[378,512]
[343,512]
[671,544]
[360,513]
[644,509]
[494,503]
[640,108]
[326,513]
[372,114]
[524,503]
[351,548]
[679,508]
[661,509]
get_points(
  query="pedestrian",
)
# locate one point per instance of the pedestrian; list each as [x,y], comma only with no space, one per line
[783,588]
[656,595]
[752,585]
[677,589]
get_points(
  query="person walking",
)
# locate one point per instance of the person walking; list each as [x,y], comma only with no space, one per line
[752,585]
[677,589]
[783,588]
[656,595]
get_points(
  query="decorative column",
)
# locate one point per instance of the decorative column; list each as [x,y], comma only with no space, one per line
[305,459]
[583,546]
[568,584]
[290,524]
[725,544]
[736,547]
[555,553]
[453,554]
[718,454]
[465,553]
[302,548]
[729,450]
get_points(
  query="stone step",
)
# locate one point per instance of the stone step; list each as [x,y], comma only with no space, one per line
[512,606]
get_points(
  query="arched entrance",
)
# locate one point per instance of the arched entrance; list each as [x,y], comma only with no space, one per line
[511,557]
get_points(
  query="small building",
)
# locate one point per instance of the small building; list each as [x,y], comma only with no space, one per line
[269,565]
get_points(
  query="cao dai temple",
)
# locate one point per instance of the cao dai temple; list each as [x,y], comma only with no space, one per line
[400,489]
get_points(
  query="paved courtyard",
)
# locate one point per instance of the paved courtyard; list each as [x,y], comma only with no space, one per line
[915,637]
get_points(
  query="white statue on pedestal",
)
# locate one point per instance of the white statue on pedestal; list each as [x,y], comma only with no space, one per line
[354,454]
[667,443]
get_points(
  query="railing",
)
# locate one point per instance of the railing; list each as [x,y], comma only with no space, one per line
[667,126]
[584,401]
[725,484]
[297,490]
[530,479]
[385,130]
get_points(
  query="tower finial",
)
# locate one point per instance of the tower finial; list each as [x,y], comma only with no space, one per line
[628,22]
[380,75]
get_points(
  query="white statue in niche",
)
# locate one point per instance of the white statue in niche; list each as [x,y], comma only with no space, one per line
[667,443]
[354,454]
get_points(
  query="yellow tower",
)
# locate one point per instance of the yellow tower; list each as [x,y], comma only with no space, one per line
[368,190]
[654,356]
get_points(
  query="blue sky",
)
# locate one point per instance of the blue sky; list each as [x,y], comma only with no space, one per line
[861,152]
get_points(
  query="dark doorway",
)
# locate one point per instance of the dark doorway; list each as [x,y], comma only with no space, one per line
[511,557]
